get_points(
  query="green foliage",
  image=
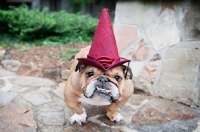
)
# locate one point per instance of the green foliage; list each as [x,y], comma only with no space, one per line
[23,24]
[67,55]
[77,4]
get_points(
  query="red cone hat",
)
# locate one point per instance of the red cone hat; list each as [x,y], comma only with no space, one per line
[103,53]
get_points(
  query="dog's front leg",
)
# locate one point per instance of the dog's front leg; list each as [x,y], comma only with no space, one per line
[73,103]
[79,115]
[112,113]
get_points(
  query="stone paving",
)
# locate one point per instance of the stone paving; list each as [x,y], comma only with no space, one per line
[29,104]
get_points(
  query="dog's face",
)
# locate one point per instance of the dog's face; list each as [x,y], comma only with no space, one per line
[106,85]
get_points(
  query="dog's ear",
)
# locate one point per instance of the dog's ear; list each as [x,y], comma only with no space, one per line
[80,67]
[127,72]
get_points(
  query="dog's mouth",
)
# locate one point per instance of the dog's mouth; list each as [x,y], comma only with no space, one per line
[103,90]
[101,93]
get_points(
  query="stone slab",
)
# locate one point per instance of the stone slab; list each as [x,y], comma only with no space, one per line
[190,24]
[38,97]
[6,97]
[2,51]
[18,89]
[2,83]
[91,127]
[60,90]
[164,31]
[173,126]
[179,74]
[32,81]
[13,119]
[52,116]
[12,65]
[64,74]
[136,13]
[125,35]
[198,128]
[29,71]
[4,73]
[51,129]
[159,115]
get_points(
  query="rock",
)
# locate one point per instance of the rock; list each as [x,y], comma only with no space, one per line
[18,89]
[60,90]
[198,128]
[144,64]
[166,4]
[54,119]
[53,74]
[2,83]
[90,127]
[149,73]
[136,67]
[64,74]
[179,76]
[59,101]
[125,35]
[2,52]
[137,51]
[6,97]
[7,56]
[68,113]
[143,52]
[52,109]
[13,118]
[172,126]
[20,100]
[38,97]
[105,120]
[139,88]
[190,23]
[52,116]
[159,111]
[12,65]
[32,81]
[165,22]
[29,71]
[7,86]
[4,73]
[136,13]
[51,129]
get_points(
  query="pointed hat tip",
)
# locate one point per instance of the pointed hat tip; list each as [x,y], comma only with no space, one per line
[105,9]
[103,52]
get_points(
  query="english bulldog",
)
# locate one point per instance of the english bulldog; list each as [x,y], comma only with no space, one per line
[97,87]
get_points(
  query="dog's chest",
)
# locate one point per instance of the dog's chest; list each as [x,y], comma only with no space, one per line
[96,101]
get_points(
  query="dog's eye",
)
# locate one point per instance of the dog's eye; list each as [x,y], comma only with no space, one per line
[118,78]
[89,74]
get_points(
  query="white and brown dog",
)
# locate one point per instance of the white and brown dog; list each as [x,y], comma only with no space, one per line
[97,87]
[99,78]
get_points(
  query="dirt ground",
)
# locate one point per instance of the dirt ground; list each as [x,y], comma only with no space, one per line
[43,58]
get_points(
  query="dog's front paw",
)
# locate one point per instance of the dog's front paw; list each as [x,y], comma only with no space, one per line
[117,118]
[79,118]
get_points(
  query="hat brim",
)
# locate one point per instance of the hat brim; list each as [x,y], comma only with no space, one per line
[99,65]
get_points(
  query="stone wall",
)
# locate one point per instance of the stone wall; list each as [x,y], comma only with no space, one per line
[162,38]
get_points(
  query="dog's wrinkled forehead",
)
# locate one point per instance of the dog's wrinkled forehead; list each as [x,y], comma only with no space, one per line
[122,71]
[113,71]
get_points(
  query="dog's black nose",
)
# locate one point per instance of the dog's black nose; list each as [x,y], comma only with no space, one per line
[103,79]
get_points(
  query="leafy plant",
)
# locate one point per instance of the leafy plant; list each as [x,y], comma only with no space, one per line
[34,26]
[68,54]
[77,4]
